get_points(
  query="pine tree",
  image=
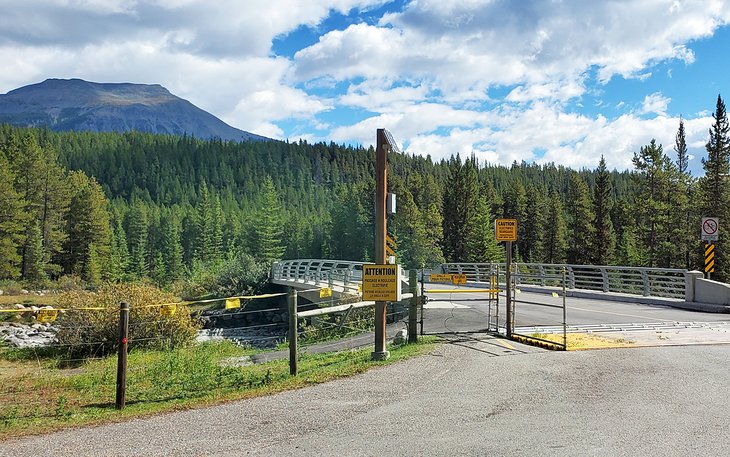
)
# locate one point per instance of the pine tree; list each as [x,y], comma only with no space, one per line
[684,230]
[555,240]
[88,229]
[12,223]
[514,206]
[119,254]
[216,232]
[35,259]
[204,225]
[460,200]
[604,238]
[171,252]
[714,187]
[137,230]
[267,228]
[655,172]
[480,243]
[580,221]
[531,246]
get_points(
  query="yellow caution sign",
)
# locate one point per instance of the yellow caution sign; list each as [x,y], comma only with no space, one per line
[232,303]
[325,292]
[505,229]
[458,279]
[168,310]
[47,315]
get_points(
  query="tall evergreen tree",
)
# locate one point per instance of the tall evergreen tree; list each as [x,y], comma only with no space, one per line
[533,225]
[655,172]
[204,225]
[35,264]
[12,223]
[555,243]
[480,243]
[89,232]
[514,206]
[171,255]
[714,187]
[684,230]
[460,201]
[604,238]
[268,245]
[137,240]
[580,221]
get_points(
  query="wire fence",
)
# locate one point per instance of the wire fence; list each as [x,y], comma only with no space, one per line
[70,357]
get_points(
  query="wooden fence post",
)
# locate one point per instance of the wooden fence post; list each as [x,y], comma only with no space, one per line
[122,354]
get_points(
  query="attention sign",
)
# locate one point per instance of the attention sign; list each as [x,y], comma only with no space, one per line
[381,282]
[505,229]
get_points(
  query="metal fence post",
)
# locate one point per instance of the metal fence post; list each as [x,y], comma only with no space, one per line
[293,332]
[122,354]
[645,279]
[604,277]
[413,309]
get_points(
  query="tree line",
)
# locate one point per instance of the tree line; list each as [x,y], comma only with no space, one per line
[131,206]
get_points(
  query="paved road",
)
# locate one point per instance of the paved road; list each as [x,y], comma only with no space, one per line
[460,400]
[468,311]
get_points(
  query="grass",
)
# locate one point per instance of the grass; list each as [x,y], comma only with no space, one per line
[27,299]
[36,396]
[581,341]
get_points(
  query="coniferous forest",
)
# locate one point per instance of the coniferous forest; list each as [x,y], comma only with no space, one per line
[132,206]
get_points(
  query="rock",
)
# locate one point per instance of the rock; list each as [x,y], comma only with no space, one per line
[18,306]
[1,291]
[38,326]
[401,337]
[24,292]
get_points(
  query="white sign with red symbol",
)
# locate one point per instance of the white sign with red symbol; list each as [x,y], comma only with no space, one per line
[710,228]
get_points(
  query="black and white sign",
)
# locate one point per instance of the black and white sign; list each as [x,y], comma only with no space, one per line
[710,228]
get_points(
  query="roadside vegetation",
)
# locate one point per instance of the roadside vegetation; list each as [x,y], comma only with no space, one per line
[37,396]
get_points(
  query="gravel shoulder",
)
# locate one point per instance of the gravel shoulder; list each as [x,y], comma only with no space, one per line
[456,401]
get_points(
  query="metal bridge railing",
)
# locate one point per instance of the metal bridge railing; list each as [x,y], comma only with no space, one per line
[322,272]
[656,282]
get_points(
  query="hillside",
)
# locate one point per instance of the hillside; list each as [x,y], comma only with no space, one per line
[78,105]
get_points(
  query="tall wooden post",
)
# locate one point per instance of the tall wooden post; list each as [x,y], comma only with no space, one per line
[293,369]
[122,355]
[381,185]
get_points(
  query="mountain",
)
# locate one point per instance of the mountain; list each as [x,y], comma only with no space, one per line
[77,105]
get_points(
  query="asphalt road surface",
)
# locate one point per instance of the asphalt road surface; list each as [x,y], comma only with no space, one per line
[459,400]
[459,312]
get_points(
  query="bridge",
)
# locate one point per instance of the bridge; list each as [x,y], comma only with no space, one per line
[610,300]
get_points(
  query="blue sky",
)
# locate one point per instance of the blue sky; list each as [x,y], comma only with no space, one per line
[561,81]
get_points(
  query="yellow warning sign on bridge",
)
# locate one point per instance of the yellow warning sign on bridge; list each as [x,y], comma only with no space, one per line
[437,277]
[505,229]
[381,282]
[458,279]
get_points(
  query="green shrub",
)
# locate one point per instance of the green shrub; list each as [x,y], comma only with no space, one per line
[96,332]
[241,275]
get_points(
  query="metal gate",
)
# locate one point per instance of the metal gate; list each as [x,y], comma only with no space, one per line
[465,302]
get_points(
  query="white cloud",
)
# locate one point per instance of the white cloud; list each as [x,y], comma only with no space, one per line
[466,47]
[655,103]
